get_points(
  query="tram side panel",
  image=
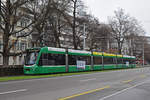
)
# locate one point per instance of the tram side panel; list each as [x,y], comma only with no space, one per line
[109,63]
[79,63]
[98,64]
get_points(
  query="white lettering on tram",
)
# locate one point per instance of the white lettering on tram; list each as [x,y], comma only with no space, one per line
[56,49]
[78,51]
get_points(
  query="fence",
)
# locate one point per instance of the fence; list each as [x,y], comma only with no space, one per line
[11,70]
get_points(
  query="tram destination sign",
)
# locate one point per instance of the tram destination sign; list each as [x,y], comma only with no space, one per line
[80,64]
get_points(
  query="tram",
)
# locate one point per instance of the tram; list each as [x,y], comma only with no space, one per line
[47,60]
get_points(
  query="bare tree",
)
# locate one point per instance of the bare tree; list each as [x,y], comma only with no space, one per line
[12,13]
[74,23]
[99,36]
[75,5]
[9,18]
[39,11]
[57,20]
[122,25]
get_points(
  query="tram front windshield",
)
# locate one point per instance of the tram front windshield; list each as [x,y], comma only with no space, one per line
[31,58]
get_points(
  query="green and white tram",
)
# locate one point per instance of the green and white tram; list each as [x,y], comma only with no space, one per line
[55,60]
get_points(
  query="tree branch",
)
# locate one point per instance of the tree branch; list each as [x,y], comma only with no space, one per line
[22,28]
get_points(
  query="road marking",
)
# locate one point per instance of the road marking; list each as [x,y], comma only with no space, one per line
[21,90]
[119,92]
[88,80]
[87,92]
[127,81]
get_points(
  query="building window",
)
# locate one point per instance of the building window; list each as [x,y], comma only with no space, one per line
[18,46]
[1,59]
[23,46]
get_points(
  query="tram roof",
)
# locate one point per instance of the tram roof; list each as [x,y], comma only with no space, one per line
[129,57]
[79,52]
[53,50]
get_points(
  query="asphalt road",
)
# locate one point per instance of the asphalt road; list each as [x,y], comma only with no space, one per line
[113,85]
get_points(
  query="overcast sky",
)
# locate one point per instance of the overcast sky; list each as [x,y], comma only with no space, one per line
[140,9]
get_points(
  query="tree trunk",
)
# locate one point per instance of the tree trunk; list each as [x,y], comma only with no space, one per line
[40,37]
[5,49]
[57,41]
[6,35]
[119,51]
[74,39]
[5,60]
[119,48]
[74,25]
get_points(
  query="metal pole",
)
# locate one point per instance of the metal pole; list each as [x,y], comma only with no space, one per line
[131,48]
[92,61]
[108,47]
[0,10]
[116,58]
[103,60]
[122,62]
[143,54]
[67,61]
[84,37]
[0,5]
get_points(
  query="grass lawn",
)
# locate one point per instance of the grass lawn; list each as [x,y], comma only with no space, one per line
[23,77]
[10,78]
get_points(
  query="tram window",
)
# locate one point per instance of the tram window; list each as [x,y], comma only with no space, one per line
[132,61]
[109,61]
[126,60]
[119,61]
[73,58]
[52,59]
[97,60]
